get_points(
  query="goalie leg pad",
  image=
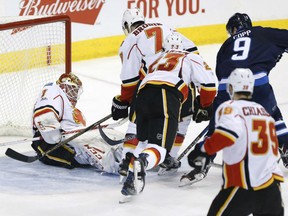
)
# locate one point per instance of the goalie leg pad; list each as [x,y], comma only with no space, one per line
[61,157]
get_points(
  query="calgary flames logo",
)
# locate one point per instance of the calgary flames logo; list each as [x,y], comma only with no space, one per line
[78,117]
[80,11]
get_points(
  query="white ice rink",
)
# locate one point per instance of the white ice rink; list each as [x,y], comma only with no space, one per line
[38,190]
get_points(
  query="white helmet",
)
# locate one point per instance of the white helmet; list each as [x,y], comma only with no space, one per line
[130,17]
[173,41]
[241,80]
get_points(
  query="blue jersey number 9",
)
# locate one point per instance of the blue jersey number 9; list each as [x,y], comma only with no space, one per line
[242,47]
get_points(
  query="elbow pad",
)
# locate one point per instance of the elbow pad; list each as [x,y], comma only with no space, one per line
[49,127]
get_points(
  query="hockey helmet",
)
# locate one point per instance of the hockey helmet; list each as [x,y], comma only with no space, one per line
[241,80]
[173,41]
[238,21]
[130,17]
[71,85]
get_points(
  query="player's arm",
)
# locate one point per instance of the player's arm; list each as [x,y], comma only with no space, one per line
[131,63]
[47,117]
[227,123]
[205,81]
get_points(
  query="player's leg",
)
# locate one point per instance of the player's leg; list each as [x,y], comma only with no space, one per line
[268,201]
[231,201]
[61,157]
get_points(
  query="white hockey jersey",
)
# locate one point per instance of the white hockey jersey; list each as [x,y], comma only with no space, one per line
[89,147]
[139,50]
[179,68]
[53,99]
[247,135]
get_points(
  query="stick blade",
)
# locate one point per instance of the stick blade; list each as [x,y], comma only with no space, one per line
[108,140]
[17,156]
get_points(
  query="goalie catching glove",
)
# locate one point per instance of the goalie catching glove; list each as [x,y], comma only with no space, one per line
[119,108]
[201,113]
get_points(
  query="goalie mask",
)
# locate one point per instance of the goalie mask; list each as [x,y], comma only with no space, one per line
[241,80]
[173,41]
[71,85]
[130,17]
[238,21]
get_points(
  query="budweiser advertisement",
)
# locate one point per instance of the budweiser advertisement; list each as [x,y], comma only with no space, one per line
[81,11]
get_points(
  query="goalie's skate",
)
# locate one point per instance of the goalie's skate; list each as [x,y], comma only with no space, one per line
[192,177]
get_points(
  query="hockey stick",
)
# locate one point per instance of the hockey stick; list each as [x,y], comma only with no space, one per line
[20,141]
[112,142]
[108,140]
[109,126]
[112,125]
[194,142]
[28,159]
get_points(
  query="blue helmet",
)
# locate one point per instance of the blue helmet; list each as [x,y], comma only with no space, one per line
[238,21]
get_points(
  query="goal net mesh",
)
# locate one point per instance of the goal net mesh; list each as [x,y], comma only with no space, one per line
[32,53]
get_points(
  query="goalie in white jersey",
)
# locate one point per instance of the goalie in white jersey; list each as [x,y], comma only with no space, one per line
[246,133]
[55,116]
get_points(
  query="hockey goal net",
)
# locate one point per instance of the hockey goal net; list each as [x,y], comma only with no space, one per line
[33,51]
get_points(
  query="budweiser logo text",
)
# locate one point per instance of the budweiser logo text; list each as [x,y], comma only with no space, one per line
[81,11]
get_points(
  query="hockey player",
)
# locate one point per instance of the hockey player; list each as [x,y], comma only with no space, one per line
[259,49]
[159,99]
[246,133]
[141,47]
[55,113]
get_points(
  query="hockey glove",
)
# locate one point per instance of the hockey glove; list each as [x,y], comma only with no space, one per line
[119,108]
[201,113]
[198,159]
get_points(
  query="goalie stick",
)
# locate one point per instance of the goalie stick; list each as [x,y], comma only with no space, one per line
[108,140]
[28,159]
[109,126]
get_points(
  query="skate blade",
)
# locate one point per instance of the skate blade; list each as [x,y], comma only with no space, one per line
[164,171]
[122,179]
[137,183]
[184,181]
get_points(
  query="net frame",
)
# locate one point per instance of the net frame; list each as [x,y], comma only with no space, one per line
[9,128]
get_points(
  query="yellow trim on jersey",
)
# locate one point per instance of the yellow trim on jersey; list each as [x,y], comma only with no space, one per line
[279,178]
[265,185]
[46,109]
[242,174]
[130,84]
[128,145]
[208,88]
[226,134]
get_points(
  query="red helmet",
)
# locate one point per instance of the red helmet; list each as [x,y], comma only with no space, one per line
[71,85]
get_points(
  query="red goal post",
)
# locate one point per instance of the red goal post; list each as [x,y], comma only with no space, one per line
[34,50]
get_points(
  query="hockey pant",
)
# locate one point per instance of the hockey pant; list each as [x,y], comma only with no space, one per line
[239,202]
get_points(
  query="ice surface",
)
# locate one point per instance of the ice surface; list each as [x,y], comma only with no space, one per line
[38,190]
